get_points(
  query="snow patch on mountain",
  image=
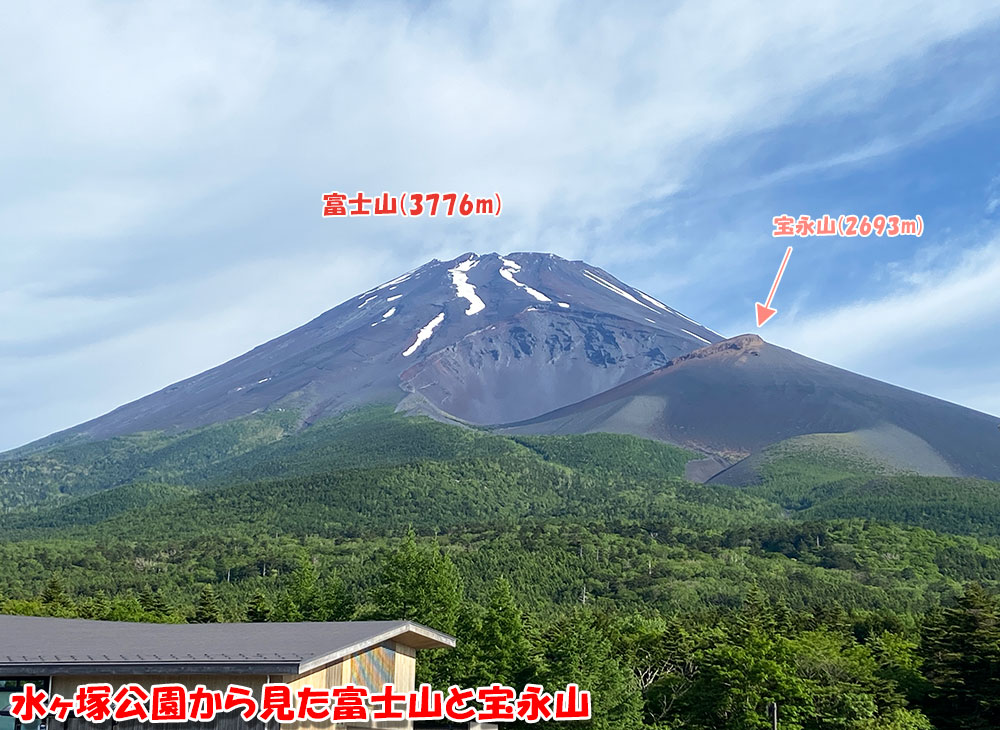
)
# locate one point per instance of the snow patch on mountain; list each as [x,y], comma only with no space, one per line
[620,292]
[424,334]
[650,299]
[394,282]
[689,319]
[507,271]
[460,279]
[688,332]
[389,313]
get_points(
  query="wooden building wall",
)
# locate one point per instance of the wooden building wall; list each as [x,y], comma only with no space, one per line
[388,662]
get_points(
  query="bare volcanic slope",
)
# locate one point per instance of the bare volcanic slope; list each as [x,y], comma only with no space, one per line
[732,399]
[484,339]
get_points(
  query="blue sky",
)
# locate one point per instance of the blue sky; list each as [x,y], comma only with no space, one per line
[163,165]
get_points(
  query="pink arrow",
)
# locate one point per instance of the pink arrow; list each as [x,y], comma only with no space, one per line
[765,311]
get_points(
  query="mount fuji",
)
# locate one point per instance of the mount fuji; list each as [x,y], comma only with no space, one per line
[479,339]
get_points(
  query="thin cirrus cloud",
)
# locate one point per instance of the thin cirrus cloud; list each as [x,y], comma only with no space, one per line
[993,196]
[161,155]
[936,334]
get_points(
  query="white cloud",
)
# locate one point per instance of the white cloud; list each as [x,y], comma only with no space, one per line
[57,385]
[993,196]
[937,335]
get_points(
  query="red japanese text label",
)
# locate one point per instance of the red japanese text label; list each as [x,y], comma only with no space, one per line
[847,226]
[410,205]
[281,702]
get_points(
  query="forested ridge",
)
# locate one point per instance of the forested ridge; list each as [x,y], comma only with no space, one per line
[853,600]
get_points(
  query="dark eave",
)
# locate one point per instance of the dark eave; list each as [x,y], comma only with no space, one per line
[34,646]
[45,669]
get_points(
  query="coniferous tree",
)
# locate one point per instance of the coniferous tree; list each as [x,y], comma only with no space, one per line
[463,665]
[303,591]
[259,608]
[286,610]
[335,600]
[55,599]
[101,605]
[576,649]
[207,610]
[504,649]
[418,583]
[96,607]
[756,614]
[153,604]
[961,650]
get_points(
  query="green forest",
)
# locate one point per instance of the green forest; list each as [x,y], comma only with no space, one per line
[851,597]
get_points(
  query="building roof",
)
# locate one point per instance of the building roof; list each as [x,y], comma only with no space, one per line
[33,646]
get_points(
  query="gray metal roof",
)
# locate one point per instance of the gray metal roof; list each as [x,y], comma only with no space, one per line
[33,646]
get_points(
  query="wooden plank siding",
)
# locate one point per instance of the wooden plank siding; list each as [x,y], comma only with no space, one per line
[387,662]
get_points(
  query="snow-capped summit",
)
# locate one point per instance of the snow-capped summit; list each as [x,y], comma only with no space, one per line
[485,339]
